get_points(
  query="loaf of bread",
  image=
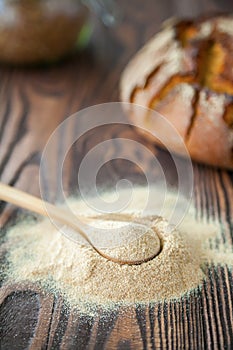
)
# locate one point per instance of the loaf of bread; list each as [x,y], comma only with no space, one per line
[185,72]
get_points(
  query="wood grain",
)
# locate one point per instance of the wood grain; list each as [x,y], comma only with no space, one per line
[32,103]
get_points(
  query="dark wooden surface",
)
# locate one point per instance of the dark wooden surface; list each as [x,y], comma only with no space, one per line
[32,103]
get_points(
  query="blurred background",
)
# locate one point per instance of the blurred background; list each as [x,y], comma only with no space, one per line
[59,56]
[45,31]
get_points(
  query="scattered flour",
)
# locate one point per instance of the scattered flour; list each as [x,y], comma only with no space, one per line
[38,252]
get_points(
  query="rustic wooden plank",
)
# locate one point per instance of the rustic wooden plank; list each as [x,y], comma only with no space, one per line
[32,103]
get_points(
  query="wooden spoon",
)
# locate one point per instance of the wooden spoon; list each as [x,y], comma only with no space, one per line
[37,205]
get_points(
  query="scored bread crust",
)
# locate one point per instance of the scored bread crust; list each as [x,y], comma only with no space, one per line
[185,73]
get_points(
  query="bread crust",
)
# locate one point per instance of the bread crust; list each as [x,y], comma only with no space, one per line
[185,72]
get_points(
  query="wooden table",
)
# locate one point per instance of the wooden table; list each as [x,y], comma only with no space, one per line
[32,103]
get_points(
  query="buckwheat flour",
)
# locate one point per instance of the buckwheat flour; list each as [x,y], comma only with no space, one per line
[38,252]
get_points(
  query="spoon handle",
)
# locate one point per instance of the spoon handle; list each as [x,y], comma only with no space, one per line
[27,201]
[22,199]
